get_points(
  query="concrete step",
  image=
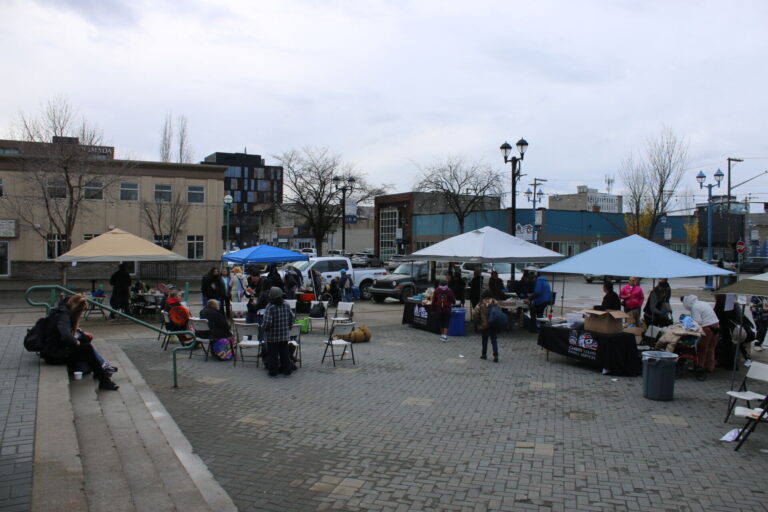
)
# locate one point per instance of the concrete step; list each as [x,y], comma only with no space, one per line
[134,457]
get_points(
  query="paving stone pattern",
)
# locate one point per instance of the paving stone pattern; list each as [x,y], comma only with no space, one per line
[18,401]
[408,429]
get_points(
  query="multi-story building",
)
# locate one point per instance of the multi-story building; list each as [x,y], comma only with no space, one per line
[588,199]
[256,189]
[112,193]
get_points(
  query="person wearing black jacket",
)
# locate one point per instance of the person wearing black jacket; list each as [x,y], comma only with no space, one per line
[476,288]
[257,303]
[65,344]
[121,290]
[218,325]
[496,286]
[611,299]
[457,285]
[212,286]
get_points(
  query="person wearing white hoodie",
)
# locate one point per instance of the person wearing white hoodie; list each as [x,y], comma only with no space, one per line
[703,314]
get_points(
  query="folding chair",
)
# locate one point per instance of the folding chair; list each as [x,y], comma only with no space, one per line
[295,340]
[323,318]
[343,314]
[758,371]
[333,341]
[202,335]
[151,304]
[292,304]
[98,301]
[753,416]
[164,325]
[239,310]
[248,337]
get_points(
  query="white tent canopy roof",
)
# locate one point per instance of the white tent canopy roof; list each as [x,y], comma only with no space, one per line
[486,245]
[635,256]
[119,245]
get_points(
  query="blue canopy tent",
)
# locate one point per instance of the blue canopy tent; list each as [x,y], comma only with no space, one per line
[635,256]
[264,254]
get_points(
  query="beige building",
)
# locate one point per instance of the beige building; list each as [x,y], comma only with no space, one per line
[587,199]
[112,193]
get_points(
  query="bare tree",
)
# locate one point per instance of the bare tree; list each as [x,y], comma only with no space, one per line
[63,164]
[309,192]
[166,219]
[183,151]
[166,139]
[650,182]
[463,186]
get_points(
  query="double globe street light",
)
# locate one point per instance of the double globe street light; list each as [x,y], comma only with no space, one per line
[344,185]
[506,149]
[701,178]
[228,208]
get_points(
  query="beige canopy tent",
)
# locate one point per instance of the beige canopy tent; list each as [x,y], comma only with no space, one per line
[118,245]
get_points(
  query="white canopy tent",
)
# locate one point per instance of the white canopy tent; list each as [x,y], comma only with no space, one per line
[635,256]
[486,245]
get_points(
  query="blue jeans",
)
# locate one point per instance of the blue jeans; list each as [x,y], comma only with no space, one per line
[347,295]
[490,333]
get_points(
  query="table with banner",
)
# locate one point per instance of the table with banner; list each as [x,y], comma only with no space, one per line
[419,316]
[616,353]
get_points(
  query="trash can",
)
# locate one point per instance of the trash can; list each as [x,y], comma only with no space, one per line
[659,374]
[456,325]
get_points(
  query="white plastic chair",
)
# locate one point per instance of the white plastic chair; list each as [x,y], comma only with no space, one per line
[239,309]
[323,319]
[292,304]
[248,337]
[294,338]
[165,326]
[758,371]
[343,314]
[334,342]
[200,326]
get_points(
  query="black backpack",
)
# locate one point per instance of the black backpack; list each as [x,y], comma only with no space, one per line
[35,337]
[317,311]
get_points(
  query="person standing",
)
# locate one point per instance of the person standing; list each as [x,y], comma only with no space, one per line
[121,290]
[457,286]
[633,297]
[278,320]
[540,298]
[657,310]
[291,281]
[237,285]
[443,300]
[212,286]
[345,286]
[759,307]
[496,286]
[225,301]
[476,287]
[487,331]
[611,300]
[703,314]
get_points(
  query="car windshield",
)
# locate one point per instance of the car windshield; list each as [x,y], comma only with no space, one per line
[407,269]
[501,268]
[301,265]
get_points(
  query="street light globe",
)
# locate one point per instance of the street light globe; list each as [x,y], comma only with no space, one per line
[701,177]
[719,176]
[528,194]
[522,146]
[227,199]
[506,149]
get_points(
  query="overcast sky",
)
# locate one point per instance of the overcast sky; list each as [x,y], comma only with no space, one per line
[393,85]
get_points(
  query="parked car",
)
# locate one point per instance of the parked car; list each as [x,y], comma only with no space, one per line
[394,261]
[330,267]
[504,270]
[601,279]
[754,264]
[406,280]
[310,251]
[364,259]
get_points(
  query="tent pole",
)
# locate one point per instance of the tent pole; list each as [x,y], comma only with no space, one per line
[562,298]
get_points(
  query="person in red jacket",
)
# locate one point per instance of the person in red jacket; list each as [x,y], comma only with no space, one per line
[442,303]
[632,297]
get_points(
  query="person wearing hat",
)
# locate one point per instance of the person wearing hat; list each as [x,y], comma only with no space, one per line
[480,314]
[345,286]
[278,319]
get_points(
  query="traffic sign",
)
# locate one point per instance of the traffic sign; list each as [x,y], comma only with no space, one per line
[740,247]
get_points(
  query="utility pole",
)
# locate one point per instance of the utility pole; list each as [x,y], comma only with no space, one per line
[729,179]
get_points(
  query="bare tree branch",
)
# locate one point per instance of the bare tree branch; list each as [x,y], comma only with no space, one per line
[166,219]
[184,146]
[166,139]
[463,186]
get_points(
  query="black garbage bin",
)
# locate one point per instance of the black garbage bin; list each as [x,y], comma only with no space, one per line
[659,374]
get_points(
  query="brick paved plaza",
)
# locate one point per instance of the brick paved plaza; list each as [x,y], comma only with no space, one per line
[415,426]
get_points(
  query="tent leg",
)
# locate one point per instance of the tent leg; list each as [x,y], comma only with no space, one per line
[562,302]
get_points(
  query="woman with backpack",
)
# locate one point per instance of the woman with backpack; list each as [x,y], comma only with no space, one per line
[443,300]
[487,329]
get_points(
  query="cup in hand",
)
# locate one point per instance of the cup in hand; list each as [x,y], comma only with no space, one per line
[78,375]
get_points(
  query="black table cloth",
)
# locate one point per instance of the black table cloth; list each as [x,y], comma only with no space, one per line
[419,316]
[617,353]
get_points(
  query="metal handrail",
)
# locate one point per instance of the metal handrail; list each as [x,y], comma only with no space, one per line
[52,301]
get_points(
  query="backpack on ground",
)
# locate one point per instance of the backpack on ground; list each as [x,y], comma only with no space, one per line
[35,337]
[496,318]
[317,311]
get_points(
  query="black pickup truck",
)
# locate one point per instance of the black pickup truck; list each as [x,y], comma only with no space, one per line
[406,280]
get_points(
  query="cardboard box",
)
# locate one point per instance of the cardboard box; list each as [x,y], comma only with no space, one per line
[606,322]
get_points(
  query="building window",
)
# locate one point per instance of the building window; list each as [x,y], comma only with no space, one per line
[163,241]
[5,261]
[129,191]
[57,189]
[250,197]
[195,194]
[162,193]
[90,236]
[564,248]
[94,190]
[55,245]
[265,185]
[387,231]
[9,151]
[237,196]
[195,247]
[423,244]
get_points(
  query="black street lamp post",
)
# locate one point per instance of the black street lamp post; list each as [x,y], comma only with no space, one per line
[344,185]
[506,149]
